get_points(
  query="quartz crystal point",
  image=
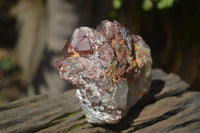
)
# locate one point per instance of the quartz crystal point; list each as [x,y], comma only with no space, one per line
[110,67]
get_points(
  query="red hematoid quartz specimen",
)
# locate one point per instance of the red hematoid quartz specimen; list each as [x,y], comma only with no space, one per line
[110,67]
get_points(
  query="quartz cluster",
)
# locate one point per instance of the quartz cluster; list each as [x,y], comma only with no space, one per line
[110,67]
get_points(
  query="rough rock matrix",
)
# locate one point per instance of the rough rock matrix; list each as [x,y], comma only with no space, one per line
[110,67]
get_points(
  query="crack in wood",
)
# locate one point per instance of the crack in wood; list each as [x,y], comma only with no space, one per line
[157,119]
[57,120]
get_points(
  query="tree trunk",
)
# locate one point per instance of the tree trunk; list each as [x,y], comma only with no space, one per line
[44,30]
[32,37]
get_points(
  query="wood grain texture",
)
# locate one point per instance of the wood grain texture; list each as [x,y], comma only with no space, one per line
[168,107]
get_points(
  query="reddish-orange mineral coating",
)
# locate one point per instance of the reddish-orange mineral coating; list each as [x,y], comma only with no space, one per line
[89,42]
[83,48]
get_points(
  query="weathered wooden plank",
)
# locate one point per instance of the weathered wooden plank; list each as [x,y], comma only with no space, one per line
[168,107]
[169,114]
[64,123]
[31,117]
[22,102]
[178,112]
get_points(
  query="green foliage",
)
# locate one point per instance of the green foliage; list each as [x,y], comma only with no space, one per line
[147,5]
[7,64]
[117,4]
[162,4]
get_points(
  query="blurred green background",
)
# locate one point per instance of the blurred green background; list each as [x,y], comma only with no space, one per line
[33,32]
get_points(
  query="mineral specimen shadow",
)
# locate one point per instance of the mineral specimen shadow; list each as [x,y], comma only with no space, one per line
[134,112]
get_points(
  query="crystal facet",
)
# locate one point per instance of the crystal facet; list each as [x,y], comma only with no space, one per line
[110,67]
